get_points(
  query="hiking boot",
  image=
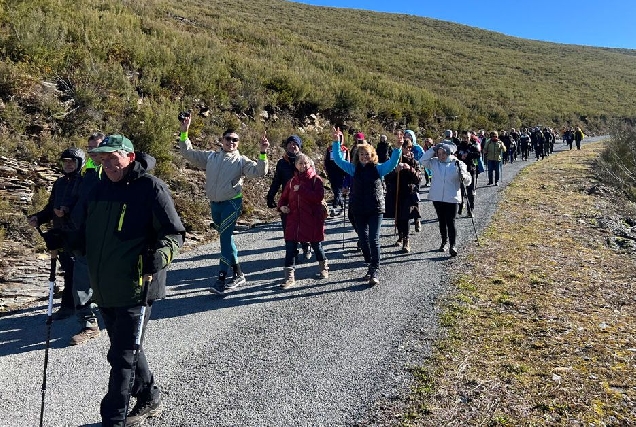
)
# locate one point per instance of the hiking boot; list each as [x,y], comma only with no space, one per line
[84,335]
[290,279]
[399,242]
[442,248]
[453,251]
[63,313]
[143,409]
[219,286]
[235,281]
[406,247]
[373,277]
[324,270]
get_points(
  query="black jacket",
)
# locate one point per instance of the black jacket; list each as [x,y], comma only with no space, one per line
[285,169]
[367,194]
[129,228]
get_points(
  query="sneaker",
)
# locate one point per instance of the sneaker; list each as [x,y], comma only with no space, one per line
[368,275]
[84,335]
[143,409]
[235,281]
[373,277]
[453,251]
[399,242]
[442,248]
[218,287]
[63,313]
[496,184]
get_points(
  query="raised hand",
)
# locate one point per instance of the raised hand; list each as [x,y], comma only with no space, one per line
[264,143]
[337,134]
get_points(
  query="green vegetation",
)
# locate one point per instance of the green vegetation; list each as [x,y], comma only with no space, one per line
[70,67]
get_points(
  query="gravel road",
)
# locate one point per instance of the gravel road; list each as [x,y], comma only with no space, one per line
[326,353]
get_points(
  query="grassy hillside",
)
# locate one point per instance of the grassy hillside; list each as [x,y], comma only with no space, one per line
[131,66]
[68,68]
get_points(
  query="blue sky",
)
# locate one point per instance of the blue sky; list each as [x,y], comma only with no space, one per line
[604,23]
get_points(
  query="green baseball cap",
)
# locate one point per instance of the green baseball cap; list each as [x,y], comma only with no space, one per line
[114,143]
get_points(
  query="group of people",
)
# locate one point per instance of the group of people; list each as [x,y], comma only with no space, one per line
[116,227]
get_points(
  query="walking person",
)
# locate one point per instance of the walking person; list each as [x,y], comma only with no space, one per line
[468,152]
[336,177]
[402,198]
[301,202]
[130,234]
[57,211]
[224,172]
[494,150]
[85,307]
[578,137]
[367,197]
[285,169]
[445,193]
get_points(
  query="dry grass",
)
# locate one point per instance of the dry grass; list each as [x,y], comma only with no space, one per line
[541,330]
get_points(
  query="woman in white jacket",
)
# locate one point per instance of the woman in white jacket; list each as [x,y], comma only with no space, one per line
[448,175]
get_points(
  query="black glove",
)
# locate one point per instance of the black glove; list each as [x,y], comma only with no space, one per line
[54,239]
[152,262]
[271,203]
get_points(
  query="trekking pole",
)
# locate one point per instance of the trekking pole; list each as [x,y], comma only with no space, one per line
[344,220]
[465,196]
[397,194]
[139,334]
[49,321]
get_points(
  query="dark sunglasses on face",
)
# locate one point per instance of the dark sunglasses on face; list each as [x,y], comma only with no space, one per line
[230,139]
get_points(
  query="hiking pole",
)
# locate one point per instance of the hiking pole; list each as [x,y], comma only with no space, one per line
[49,321]
[344,220]
[465,196]
[139,334]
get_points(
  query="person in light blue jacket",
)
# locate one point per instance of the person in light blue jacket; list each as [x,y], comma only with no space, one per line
[445,191]
[367,196]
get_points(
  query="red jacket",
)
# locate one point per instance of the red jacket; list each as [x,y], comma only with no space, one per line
[305,222]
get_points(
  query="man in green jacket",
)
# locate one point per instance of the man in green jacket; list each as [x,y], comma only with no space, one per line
[133,233]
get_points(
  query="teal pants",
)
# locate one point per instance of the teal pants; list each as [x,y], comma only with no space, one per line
[225,214]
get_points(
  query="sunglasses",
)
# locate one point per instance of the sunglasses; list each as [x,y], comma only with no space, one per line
[230,139]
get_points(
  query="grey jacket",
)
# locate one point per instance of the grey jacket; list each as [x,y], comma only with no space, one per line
[224,171]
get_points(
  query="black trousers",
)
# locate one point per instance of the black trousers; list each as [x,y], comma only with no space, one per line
[446,213]
[121,324]
[67,262]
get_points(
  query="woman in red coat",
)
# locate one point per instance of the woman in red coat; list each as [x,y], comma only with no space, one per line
[302,202]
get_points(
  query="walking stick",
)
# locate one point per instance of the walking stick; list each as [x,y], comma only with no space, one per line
[344,219]
[465,196]
[139,334]
[397,194]
[49,321]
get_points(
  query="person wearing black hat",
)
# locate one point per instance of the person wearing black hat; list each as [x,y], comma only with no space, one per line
[285,169]
[63,198]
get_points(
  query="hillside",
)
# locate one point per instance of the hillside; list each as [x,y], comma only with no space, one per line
[279,67]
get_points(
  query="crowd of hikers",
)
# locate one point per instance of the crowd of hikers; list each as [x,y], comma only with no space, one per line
[114,227]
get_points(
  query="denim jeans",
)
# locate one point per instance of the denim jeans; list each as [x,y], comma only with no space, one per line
[368,229]
[225,214]
[493,166]
[291,250]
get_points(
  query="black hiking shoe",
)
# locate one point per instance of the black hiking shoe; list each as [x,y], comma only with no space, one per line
[143,409]
[373,276]
[219,286]
[453,251]
[235,281]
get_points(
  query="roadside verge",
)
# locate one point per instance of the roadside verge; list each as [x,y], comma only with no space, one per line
[541,329]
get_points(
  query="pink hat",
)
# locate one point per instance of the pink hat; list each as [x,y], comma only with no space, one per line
[359,135]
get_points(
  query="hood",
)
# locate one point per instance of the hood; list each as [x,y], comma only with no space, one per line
[143,164]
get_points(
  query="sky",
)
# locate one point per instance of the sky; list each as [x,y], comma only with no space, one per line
[602,23]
